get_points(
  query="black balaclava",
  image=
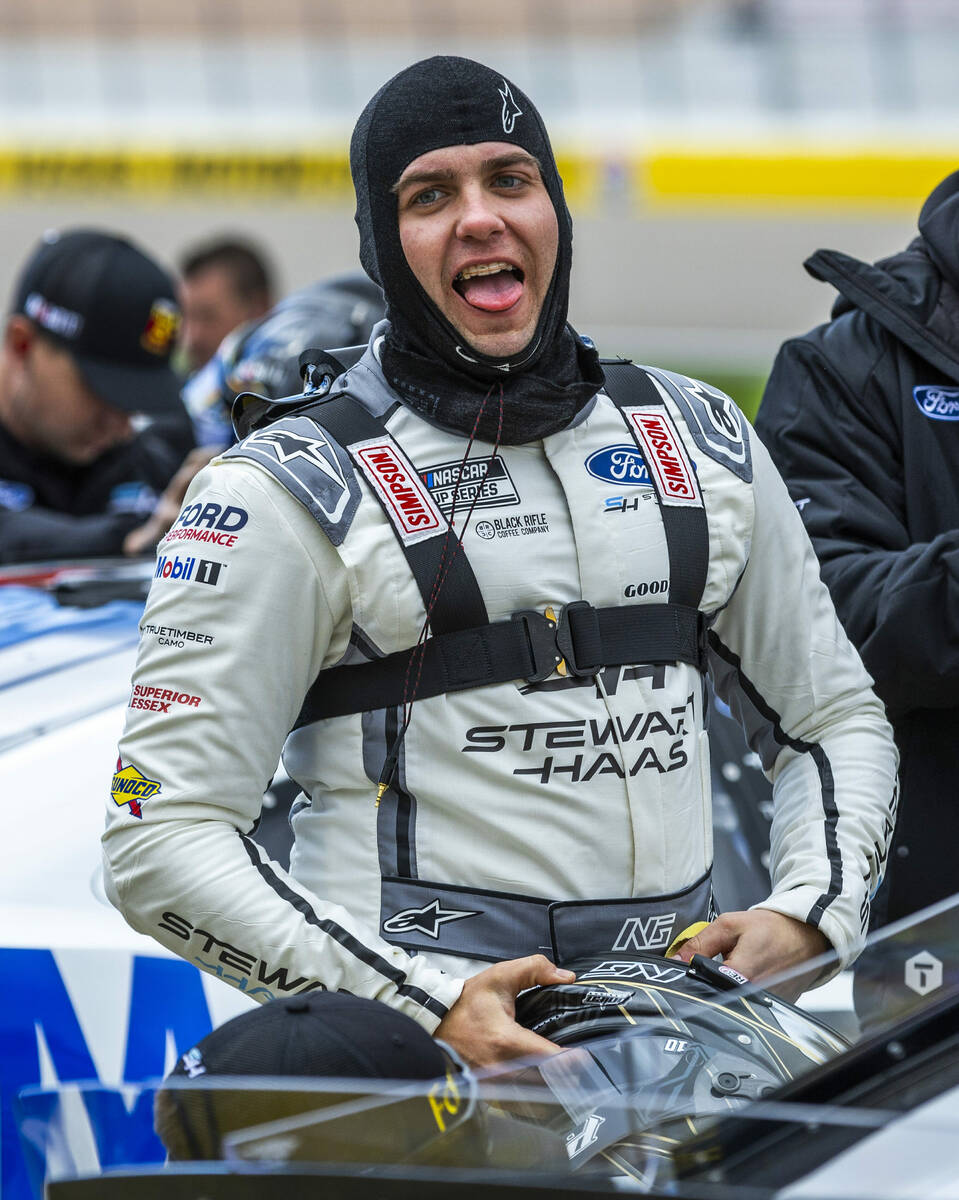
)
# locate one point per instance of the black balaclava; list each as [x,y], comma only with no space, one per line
[446,101]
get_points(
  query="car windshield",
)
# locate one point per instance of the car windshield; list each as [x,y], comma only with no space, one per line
[723,1088]
[658,1085]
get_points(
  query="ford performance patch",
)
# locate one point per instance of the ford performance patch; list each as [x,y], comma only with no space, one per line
[937,403]
[313,469]
[210,522]
[402,493]
[668,461]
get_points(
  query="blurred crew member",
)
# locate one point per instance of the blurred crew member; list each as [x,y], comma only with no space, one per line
[224,283]
[482,580]
[91,424]
[862,417]
[262,356]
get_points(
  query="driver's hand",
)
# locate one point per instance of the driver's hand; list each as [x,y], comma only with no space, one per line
[481,1027]
[145,536]
[760,943]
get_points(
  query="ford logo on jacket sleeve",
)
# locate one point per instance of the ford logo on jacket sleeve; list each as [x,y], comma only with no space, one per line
[939,403]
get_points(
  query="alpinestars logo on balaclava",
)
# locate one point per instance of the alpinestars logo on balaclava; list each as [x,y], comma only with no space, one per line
[511,110]
[448,101]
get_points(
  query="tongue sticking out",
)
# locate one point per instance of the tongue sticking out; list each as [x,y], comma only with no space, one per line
[492,293]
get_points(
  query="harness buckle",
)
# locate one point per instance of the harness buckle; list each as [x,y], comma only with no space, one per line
[542,641]
[553,641]
[586,636]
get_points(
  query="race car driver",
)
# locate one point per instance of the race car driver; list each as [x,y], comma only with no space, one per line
[481,582]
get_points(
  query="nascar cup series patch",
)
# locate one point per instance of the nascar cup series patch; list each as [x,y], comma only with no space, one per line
[131,786]
[482,482]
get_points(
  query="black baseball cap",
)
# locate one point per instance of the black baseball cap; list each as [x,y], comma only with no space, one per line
[318,1036]
[113,308]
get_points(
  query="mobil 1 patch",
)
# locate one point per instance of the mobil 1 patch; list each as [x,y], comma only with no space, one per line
[484,483]
[718,427]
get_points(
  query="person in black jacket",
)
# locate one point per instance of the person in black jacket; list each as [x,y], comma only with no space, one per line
[861,415]
[92,429]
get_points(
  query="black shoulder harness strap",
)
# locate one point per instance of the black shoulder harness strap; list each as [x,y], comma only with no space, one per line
[459,602]
[466,650]
[687,534]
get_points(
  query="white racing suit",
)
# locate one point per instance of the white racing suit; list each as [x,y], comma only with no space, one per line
[515,802]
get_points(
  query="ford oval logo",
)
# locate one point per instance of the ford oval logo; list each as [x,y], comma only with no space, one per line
[619,464]
[939,403]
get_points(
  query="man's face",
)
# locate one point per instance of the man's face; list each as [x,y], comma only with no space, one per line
[480,234]
[49,407]
[212,308]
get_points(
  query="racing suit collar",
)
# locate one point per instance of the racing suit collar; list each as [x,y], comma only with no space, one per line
[533,407]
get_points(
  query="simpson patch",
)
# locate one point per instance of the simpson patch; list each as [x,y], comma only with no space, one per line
[404,495]
[666,456]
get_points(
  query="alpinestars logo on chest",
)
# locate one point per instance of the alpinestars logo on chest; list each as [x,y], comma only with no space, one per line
[511,110]
[425,920]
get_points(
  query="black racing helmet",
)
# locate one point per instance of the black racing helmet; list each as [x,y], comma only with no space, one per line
[658,1049]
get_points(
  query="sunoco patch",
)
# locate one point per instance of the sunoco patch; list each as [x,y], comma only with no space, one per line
[131,786]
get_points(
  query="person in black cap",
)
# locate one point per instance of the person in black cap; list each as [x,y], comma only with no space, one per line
[297,1040]
[91,425]
[481,577]
[298,1056]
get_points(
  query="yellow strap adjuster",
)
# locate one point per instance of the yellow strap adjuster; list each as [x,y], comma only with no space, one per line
[689,932]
